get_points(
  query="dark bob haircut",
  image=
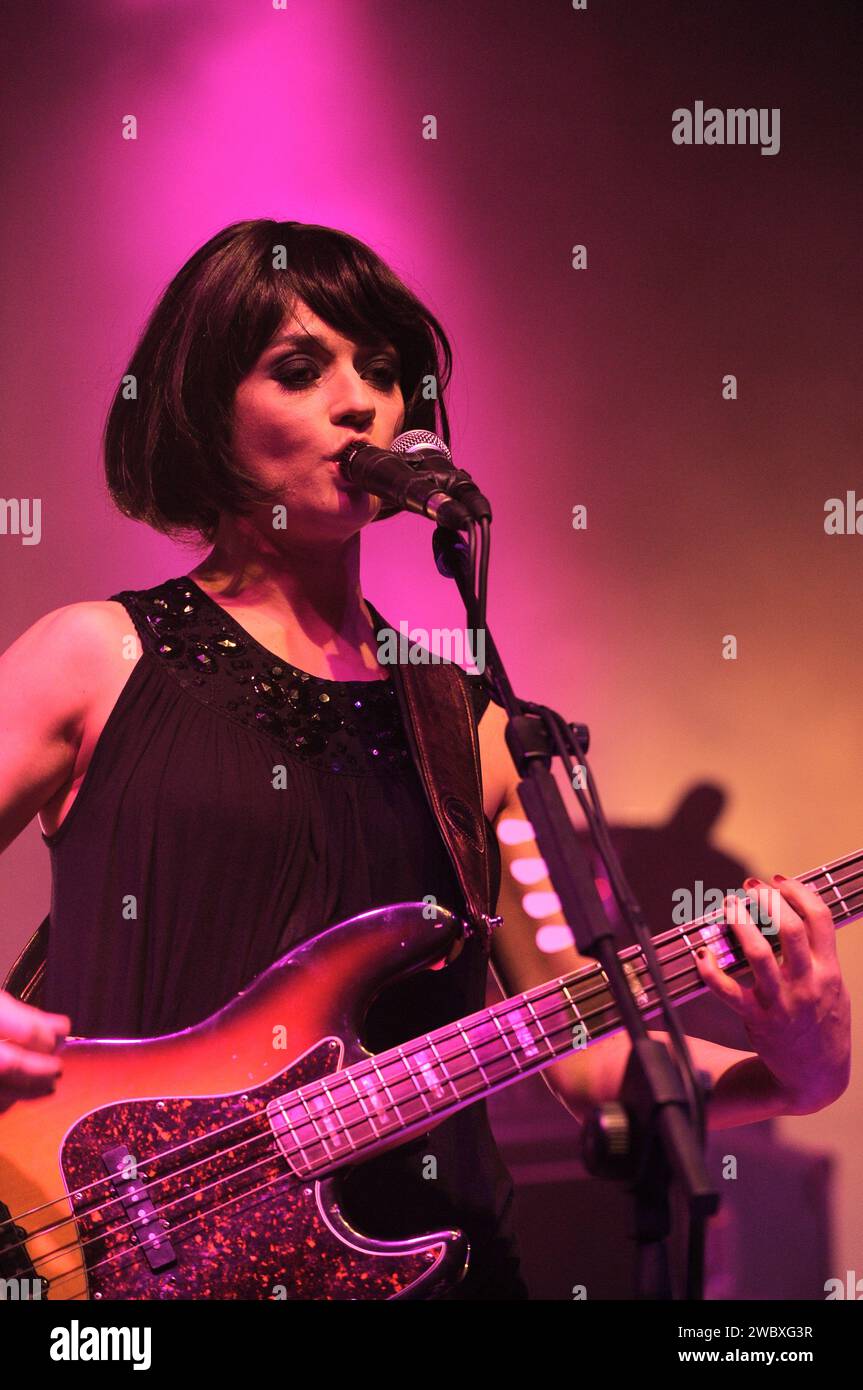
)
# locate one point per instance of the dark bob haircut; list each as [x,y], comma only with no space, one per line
[168,456]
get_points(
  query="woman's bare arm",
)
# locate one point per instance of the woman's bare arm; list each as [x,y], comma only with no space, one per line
[48,677]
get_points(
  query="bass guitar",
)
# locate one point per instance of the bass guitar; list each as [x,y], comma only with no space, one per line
[206,1164]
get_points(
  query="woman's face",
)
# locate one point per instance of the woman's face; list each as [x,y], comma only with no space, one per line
[303,401]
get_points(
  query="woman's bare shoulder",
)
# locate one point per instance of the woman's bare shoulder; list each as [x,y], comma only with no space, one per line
[56,681]
[75,635]
[54,673]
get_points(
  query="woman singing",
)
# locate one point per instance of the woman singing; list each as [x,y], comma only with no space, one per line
[137,728]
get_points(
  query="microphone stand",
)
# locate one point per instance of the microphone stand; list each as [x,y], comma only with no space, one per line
[655,1133]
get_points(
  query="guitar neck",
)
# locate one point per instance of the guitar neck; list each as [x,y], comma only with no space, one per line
[356,1112]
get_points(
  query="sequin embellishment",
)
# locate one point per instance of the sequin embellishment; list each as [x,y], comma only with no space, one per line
[342,726]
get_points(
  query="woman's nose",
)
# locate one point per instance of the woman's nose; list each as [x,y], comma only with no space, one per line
[355,397]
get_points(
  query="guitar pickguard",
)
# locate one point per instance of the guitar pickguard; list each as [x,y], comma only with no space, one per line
[190,1197]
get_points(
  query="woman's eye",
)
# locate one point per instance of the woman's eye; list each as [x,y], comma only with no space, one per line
[385,373]
[294,375]
[298,374]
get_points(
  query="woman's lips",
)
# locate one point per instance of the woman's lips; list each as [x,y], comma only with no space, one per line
[341,481]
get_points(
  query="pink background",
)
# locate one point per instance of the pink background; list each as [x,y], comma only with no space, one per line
[601,387]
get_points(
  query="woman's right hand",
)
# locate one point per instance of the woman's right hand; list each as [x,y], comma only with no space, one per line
[29,1042]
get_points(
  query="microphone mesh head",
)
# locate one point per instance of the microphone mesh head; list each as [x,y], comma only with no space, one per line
[411,440]
[406,444]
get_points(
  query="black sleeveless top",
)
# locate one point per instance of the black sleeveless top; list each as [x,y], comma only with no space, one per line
[180,872]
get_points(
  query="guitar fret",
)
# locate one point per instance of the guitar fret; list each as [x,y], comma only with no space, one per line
[319,1141]
[609,1001]
[360,1100]
[324,1105]
[310,1119]
[829,877]
[374,1099]
[633,966]
[503,1039]
[419,1094]
[475,1056]
[428,1070]
[521,1032]
[542,1033]
[716,939]
[472,1050]
[576,1010]
[410,1072]
[386,1119]
[490,1051]
[292,1134]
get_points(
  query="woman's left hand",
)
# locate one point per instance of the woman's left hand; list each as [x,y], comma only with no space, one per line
[797,1011]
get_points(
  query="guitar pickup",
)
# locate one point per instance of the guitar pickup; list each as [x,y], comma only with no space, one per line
[138,1207]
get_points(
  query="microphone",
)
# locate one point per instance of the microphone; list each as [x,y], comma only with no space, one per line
[416,475]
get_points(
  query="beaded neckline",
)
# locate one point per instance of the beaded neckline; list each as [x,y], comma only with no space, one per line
[342,726]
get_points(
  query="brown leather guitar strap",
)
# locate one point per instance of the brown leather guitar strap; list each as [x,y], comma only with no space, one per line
[27,975]
[439,724]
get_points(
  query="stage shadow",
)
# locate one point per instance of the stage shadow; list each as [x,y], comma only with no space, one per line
[574,1228]
[672,868]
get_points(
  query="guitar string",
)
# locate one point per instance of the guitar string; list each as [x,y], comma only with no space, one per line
[264,1133]
[373,1065]
[277,1153]
[659,941]
[83,1297]
[559,982]
[340,1080]
[137,1250]
[282,1177]
[377,1059]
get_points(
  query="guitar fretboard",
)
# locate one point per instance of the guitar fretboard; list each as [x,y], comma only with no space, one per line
[356,1112]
